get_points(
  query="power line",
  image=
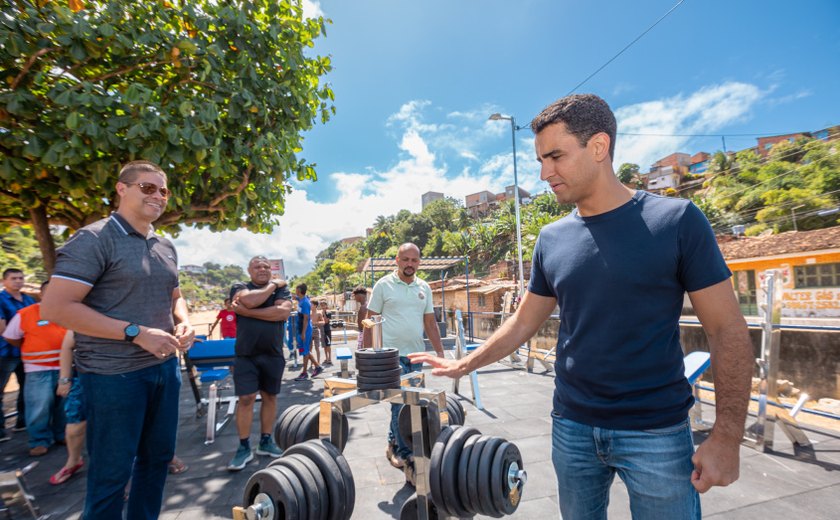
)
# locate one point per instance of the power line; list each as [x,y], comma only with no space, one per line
[626,47]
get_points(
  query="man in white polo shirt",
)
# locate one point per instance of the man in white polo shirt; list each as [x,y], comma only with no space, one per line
[405,302]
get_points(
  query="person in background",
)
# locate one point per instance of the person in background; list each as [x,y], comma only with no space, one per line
[360,295]
[305,333]
[227,318]
[327,333]
[70,390]
[405,302]
[11,301]
[39,341]
[262,306]
[317,329]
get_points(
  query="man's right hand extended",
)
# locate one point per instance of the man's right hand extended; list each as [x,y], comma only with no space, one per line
[440,366]
[157,342]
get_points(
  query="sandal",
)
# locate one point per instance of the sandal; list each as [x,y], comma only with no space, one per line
[65,473]
[177,466]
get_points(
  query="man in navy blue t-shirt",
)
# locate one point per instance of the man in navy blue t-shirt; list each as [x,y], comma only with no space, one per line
[618,267]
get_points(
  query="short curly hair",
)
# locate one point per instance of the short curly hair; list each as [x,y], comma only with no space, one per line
[584,116]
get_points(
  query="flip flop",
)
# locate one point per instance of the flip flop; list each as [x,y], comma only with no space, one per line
[64,474]
[177,466]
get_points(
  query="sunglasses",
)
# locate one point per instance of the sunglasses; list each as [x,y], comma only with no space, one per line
[148,188]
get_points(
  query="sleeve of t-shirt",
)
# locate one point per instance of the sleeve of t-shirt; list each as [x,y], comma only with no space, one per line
[538,284]
[701,263]
[282,293]
[82,258]
[235,288]
[377,302]
[13,330]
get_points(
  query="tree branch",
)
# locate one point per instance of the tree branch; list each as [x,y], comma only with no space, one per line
[9,194]
[28,65]
[14,220]
[237,191]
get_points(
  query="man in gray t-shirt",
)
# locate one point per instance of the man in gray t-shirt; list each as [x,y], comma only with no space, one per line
[116,285]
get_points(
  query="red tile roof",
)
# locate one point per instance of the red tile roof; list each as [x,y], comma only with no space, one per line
[782,244]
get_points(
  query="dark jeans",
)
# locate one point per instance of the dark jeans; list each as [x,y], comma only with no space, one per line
[132,421]
[403,449]
[9,365]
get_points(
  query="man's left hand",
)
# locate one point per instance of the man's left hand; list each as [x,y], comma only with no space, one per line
[185,335]
[716,463]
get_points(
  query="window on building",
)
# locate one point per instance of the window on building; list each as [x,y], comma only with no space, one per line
[482,300]
[744,282]
[817,275]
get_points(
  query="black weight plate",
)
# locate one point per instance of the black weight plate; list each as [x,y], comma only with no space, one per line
[385,353]
[472,471]
[331,472]
[404,429]
[455,405]
[277,487]
[349,483]
[290,423]
[409,511]
[507,454]
[281,426]
[434,464]
[376,364]
[454,416]
[293,430]
[310,427]
[391,373]
[307,491]
[365,387]
[484,464]
[378,380]
[323,494]
[295,489]
[463,466]
[309,423]
[449,471]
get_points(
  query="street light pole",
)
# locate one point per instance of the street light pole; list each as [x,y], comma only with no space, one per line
[516,202]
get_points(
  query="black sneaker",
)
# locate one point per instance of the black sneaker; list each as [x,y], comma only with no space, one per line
[19,428]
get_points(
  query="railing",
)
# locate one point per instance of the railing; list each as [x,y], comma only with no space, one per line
[483,324]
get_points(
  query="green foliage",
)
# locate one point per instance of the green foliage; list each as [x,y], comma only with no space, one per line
[19,249]
[212,286]
[795,180]
[217,92]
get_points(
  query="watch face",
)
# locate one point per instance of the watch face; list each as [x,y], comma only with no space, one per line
[132,330]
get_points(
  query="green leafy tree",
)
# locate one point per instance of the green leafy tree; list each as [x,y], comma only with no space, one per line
[628,173]
[217,92]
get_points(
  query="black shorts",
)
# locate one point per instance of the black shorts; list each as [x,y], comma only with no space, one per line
[263,372]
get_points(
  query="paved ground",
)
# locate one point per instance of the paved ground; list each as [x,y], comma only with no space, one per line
[772,486]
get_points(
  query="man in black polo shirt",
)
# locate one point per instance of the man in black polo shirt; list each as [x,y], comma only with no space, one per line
[261,306]
[116,285]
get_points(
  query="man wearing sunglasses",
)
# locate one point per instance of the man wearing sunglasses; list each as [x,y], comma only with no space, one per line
[116,285]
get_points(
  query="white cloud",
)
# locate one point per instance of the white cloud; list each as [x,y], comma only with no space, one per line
[708,110]
[312,9]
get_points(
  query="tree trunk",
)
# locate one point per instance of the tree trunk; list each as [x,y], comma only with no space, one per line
[41,225]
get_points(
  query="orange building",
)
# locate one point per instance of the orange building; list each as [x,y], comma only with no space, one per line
[809,262]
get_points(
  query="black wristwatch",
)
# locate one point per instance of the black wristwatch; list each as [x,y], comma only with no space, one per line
[131,332]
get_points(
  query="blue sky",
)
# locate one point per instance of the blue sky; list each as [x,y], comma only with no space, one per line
[416,81]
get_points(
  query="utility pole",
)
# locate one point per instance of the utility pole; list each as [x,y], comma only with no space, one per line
[793,214]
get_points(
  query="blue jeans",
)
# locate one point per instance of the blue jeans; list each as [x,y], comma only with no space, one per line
[9,366]
[44,410]
[655,465]
[132,421]
[403,449]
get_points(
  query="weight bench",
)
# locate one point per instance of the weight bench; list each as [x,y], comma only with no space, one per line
[696,363]
[213,360]
[14,480]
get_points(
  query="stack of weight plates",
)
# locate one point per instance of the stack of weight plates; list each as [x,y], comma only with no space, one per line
[299,423]
[377,369]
